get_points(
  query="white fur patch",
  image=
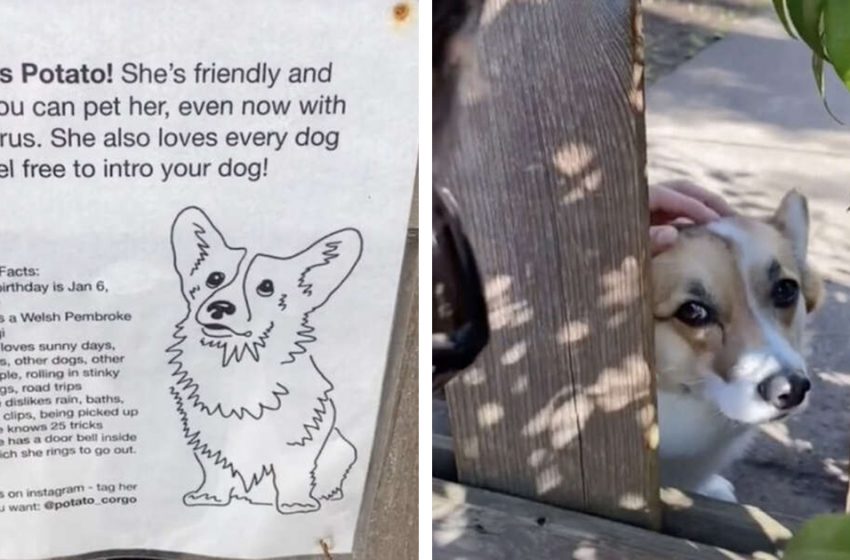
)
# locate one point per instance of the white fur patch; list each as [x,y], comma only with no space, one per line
[739,398]
[696,440]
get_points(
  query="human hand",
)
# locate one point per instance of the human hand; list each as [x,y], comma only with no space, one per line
[679,201]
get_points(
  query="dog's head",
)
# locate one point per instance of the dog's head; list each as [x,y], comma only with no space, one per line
[243,305]
[730,306]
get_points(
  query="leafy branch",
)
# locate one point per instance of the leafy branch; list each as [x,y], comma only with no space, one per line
[824,25]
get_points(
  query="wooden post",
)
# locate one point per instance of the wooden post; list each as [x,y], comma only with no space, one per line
[388,527]
[548,165]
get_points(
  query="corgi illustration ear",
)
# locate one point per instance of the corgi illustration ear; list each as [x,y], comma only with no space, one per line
[196,244]
[792,220]
[326,264]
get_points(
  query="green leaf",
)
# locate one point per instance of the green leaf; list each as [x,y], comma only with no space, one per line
[806,16]
[779,6]
[817,70]
[837,37]
[825,537]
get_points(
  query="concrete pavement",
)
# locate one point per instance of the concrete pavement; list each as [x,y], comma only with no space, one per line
[743,118]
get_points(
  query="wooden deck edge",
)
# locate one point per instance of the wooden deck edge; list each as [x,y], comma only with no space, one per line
[741,528]
[476,524]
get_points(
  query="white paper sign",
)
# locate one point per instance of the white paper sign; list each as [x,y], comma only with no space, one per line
[201,229]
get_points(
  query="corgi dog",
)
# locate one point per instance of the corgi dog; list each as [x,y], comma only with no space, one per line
[731,300]
[255,408]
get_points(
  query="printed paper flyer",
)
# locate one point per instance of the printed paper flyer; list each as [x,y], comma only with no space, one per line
[201,232]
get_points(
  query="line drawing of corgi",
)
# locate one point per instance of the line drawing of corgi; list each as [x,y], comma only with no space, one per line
[255,408]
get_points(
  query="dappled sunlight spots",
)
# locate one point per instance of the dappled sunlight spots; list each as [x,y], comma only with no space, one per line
[757,555]
[647,419]
[676,499]
[588,184]
[514,354]
[618,319]
[490,414]
[547,480]
[652,436]
[574,159]
[537,457]
[451,514]
[520,385]
[578,162]
[473,376]
[569,409]
[621,286]
[469,447]
[586,551]
[837,468]
[450,529]
[503,311]
[614,391]
[632,502]
[835,378]
[574,331]
[539,422]
[567,419]
[768,524]
[780,433]
[454,494]
[829,246]
[544,419]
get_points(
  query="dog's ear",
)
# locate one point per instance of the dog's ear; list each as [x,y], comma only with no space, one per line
[326,264]
[792,220]
[196,242]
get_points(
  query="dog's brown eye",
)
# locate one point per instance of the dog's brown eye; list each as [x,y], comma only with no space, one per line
[215,279]
[695,314]
[266,288]
[785,293]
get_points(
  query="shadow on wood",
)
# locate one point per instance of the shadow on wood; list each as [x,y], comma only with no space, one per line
[547,162]
[472,523]
[740,528]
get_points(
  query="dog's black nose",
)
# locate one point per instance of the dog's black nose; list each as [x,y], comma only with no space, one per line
[785,391]
[220,308]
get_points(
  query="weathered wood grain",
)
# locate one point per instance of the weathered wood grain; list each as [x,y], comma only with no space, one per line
[476,524]
[547,162]
[737,527]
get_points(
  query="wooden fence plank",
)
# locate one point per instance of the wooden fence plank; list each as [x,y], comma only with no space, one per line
[737,527]
[388,528]
[473,523]
[547,162]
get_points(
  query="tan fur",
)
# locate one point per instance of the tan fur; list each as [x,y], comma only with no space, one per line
[678,345]
[708,374]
